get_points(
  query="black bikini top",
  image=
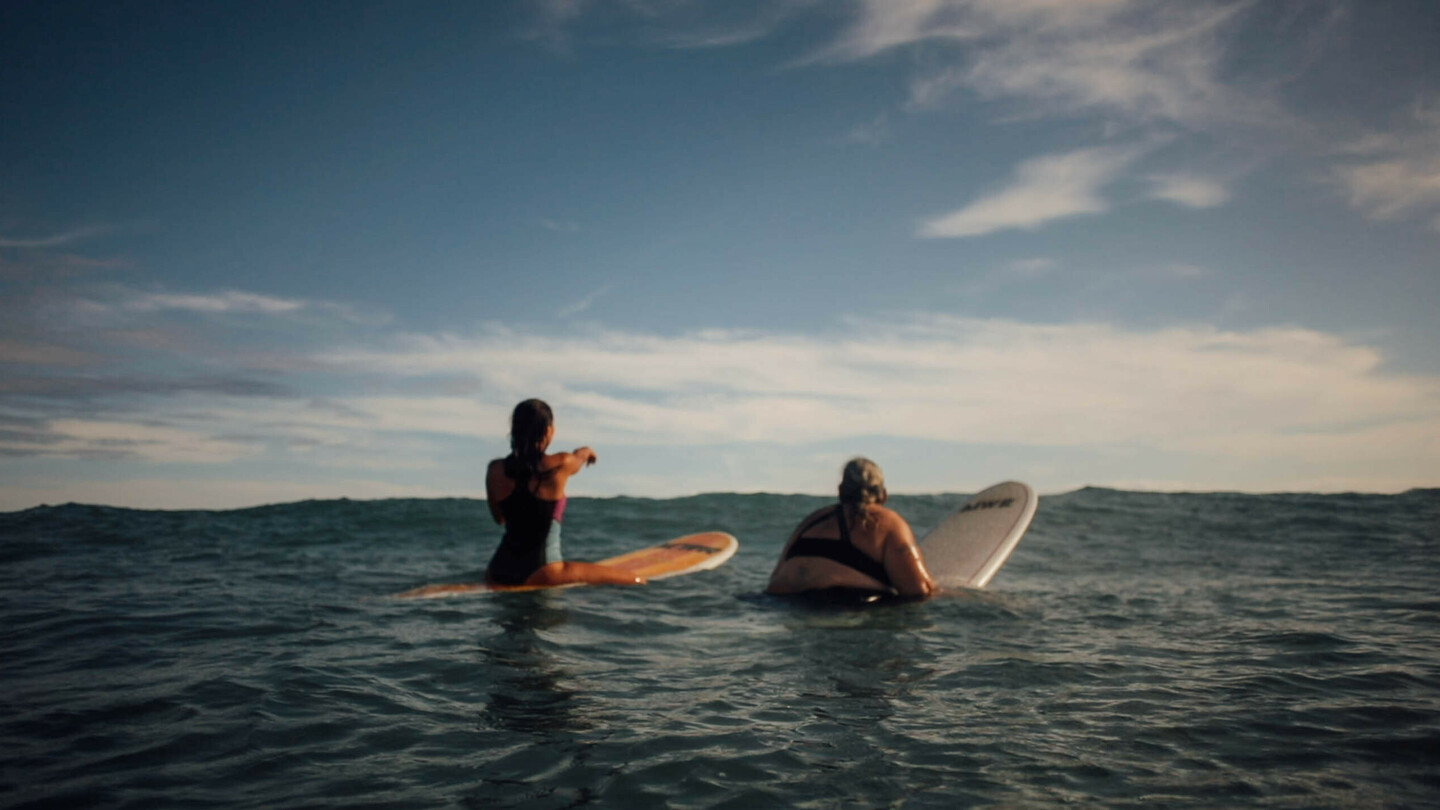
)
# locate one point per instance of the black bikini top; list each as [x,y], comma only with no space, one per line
[842,551]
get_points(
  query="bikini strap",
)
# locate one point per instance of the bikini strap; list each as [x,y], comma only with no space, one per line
[522,475]
[821,518]
[843,552]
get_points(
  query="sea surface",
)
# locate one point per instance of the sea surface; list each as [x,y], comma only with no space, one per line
[1138,650]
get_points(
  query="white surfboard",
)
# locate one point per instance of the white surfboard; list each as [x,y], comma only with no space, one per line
[968,547]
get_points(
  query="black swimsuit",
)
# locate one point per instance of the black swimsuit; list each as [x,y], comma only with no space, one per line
[532,530]
[842,551]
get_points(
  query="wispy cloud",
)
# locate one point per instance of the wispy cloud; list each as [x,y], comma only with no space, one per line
[1043,189]
[1148,67]
[1136,61]
[1145,62]
[977,285]
[937,377]
[1396,174]
[55,240]
[559,226]
[1033,267]
[1190,190]
[1139,68]
[119,302]
[884,24]
[579,306]
[669,24]
[1274,393]
[552,18]
[1391,188]
[119,440]
[932,376]
[870,133]
[92,387]
[31,353]
[227,301]
[395,408]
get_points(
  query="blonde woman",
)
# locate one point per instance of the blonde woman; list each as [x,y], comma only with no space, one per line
[858,544]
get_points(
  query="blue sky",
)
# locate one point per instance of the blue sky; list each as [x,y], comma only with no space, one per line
[260,252]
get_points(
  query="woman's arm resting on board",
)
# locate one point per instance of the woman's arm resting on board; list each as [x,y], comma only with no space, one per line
[904,564]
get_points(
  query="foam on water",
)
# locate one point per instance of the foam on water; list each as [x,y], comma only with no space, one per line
[1137,650]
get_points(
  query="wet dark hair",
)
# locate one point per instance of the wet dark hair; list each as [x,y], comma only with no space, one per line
[528,424]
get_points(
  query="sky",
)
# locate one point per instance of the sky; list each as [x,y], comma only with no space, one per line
[262,252]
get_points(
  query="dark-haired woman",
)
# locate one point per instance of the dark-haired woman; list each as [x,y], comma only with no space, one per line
[526,494]
[856,545]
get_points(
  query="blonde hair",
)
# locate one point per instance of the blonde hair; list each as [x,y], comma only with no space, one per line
[862,483]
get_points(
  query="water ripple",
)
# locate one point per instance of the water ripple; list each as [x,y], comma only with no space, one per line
[1139,650]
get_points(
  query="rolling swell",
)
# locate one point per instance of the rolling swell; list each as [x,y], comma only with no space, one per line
[1138,650]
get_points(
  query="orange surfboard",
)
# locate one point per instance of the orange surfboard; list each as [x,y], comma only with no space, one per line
[683,555]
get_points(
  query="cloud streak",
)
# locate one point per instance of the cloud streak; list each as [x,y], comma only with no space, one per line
[939,377]
[576,307]
[396,409]
[100,439]
[1189,190]
[1141,68]
[685,24]
[1143,62]
[55,240]
[1044,189]
[1397,174]
[223,302]
[122,303]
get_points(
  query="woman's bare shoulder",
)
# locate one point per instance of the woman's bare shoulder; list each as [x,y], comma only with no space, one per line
[893,521]
[552,463]
[884,513]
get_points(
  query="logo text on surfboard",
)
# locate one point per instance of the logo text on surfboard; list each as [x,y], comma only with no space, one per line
[692,547]
[993,503]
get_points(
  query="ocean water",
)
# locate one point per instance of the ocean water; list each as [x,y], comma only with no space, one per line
[1138,650]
